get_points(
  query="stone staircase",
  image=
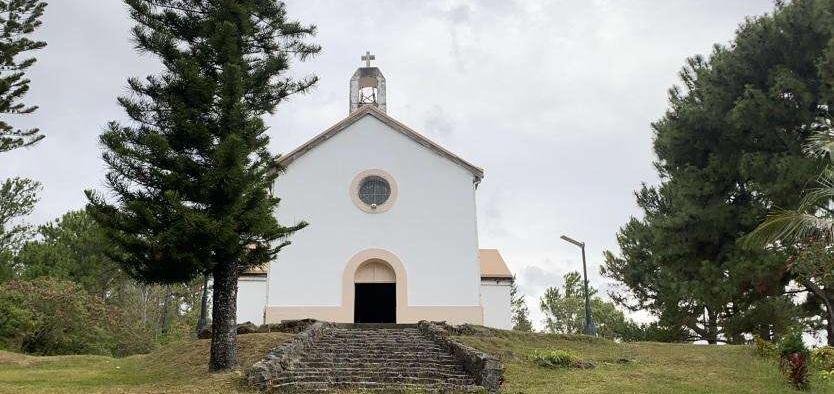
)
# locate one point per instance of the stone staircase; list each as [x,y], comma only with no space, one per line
[374,358]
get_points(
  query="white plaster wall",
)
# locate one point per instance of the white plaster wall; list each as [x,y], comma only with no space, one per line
[495,298]
[431,227]
[251,299]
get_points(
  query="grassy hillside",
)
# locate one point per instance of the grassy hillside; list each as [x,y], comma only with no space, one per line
[177,368]
[651,368]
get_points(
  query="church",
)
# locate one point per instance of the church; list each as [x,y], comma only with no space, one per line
[392,235]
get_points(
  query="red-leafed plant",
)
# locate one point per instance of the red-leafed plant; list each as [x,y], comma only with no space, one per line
[793,360]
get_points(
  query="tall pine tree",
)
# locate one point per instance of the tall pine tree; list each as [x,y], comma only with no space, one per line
[729,149]
[191,174]
[18,19]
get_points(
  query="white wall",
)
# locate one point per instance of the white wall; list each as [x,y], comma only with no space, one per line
[431,227]
[251,299]
[495,297]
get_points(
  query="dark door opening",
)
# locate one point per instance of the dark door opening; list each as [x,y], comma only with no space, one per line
[375,303]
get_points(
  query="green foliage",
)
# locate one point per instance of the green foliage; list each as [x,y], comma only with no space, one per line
[792,343]
[193,166]
[73,248]
[630,331]
[18,19]
[554,359]
[823,358]
[18,197]
[140,322]
[764,348]
[76,249]
[564,311]
[48,317]
[521,315]
[729,148]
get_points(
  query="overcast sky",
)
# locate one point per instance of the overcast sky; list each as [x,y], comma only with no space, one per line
[554,99]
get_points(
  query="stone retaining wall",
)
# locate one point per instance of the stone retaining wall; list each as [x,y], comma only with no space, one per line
[487,369]
[260,374]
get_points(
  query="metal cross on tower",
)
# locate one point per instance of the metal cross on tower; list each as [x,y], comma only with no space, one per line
[367,57]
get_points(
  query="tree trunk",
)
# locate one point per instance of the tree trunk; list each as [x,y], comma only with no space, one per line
[712,328]
[203,305]
[828,306]
[223,315]
[165,306]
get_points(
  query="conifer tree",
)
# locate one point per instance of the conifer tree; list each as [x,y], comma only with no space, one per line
[18,19]
[191,174]
[729,150]
[521,315]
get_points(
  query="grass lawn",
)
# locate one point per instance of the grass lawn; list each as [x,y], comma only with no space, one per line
[651,368]
[177,368]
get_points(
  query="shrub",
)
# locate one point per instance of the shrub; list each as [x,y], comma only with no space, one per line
[826,376]
[48,317]
[792,343]
[558,359]
[823,358]
[764,348]
[793,359]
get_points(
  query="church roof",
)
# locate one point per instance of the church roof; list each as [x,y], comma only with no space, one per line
[493,265]
[256,271]
[370,110]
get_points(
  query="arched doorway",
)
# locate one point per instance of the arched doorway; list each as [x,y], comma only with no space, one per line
[375,290]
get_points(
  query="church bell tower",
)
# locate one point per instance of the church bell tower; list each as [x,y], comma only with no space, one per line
[367,86]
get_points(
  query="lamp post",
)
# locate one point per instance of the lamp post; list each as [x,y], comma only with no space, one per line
[590,327]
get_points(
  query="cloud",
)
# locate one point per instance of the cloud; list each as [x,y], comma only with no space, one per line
[438,122]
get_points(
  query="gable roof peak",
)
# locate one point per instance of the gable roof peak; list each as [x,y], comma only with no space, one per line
[370,110]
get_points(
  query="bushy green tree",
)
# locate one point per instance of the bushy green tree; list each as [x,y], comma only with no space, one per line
[806,233]
[18,20]
[73,248]
[729,149]
[76,249]
[192,171]
[49,317]
[18,197]
[521,315]
[564,310]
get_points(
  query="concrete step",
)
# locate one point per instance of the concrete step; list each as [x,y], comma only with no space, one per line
[377,364]
[376,350]
[375,358]
[337,379]
[377,387]
[363,345]
[425,373]
[366,358]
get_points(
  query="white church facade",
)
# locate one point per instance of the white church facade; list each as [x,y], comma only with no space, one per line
[392,234]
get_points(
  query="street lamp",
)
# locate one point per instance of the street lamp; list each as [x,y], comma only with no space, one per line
[590,327]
